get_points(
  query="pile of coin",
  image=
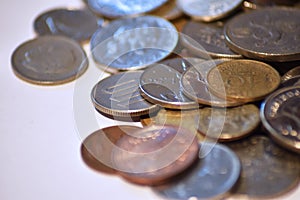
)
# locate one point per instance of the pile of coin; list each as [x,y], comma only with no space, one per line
[196,74]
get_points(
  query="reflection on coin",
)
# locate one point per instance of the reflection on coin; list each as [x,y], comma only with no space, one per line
[211,177]
[96,149]
[208,10]
[122,8]
[49,60]
[266,34]
[133,43]
[239,122]
[206,39]
[255,4]
[243,80]
[291,73]
[156,154]
[267,170]
[295,81]
[195,85]
[280,114]
[76,24]
[160,84]
[119,96]
[169,11]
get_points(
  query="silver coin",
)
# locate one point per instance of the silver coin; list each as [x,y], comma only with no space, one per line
[160,84]
[212,176]
[49,60]
[133,43]
[291,73]
[76,24]
[208,10]
[121,8]
[118,97]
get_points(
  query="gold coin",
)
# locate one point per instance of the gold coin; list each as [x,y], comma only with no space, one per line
[243,80]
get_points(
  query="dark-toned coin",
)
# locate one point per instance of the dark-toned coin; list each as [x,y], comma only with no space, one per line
[119,96]
[169,10]
[155,154]
[280,114]
[290,74]
[295,81]
[214,174]
[268,171]
[270,34]
[258,4]
[96,149]
[49,60]
[133,43]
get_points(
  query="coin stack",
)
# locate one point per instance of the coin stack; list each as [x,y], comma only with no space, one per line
[215,85]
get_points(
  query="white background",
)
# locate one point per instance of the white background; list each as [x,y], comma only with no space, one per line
[39,140]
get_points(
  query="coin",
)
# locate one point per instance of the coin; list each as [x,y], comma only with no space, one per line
[214,174]
[96,149]
[268,171]
[195,86]
[49,60]
[210,10]
[228,124]
[206,39]
[270,34]
[118,96]
[155,154]
[122,8]
[243,80]
[76,24]
[133,43]
[291,73]
[280,116]
[160,84]
[258,4]
[295,81]
[169,11]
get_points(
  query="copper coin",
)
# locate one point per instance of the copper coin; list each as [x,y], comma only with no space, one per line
[258,4]
[228,124]
[243,80]
[169,11]
[155,154]
[270,34]
[96,149]
[280,114]
[268,171]
[291,73]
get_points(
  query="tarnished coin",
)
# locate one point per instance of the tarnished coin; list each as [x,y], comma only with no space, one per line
[169,10]
[208,10]
[268,171]
[195,86]
[290,74]
[214,174]
[155,154]
[118,96]
[270,34]
[96,149]
[49,60]
[160,84]
[228,124]
[243,80]
[76,24]
[206,39]
[280,114]
[133,43]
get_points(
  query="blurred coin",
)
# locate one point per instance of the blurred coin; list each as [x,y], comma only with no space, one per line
[169,10]
[118,96]
[214,174]
[208,10]
[49,60]
[180,22]
[122,8]
[280,114]
[295,81]
[257,4]
[155,154]
[291,73]
[268,171]
[133,43]
[270,34]
[243,80]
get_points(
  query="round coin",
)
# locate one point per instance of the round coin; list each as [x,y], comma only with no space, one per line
[169,11]
[295,81]
[243,80]
[270,34]
[118,97]
[280,114]
[210,178]
[155,154]
[208,10]
[49,60]
[291,73]
[238,122]
[133,43]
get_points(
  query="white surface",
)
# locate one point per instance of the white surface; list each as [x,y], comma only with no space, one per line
[40,142]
